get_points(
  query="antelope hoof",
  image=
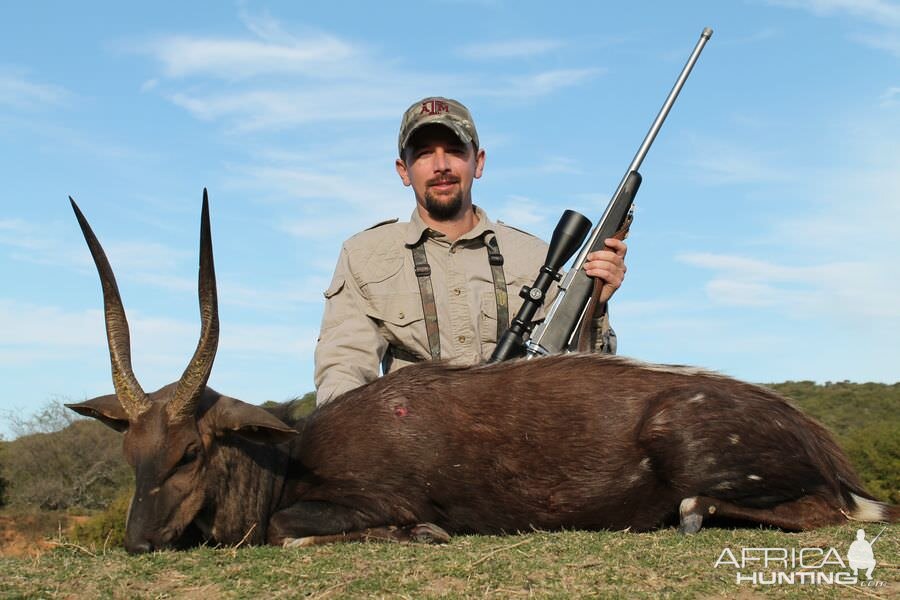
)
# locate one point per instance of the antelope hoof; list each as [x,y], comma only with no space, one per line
[691,519]
[428,533]
[690,524]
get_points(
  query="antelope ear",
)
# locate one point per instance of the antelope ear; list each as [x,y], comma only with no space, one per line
[229,416]
[105,409]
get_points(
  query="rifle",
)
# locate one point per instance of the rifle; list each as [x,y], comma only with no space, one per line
[568,319]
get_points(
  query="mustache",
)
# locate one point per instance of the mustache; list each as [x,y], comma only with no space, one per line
[442,179]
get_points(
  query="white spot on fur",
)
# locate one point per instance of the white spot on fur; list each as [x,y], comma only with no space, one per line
[725,485]
[697,399]
[734,439]
[868,510]
[754,477]
[645,463]
[660,419]
[688,506]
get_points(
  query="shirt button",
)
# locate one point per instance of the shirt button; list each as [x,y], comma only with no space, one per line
[462,339]
[457,291]
[401,316]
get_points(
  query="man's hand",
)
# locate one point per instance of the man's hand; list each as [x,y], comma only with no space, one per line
[608,265]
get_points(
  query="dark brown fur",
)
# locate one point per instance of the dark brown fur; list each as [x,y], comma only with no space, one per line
[583,441]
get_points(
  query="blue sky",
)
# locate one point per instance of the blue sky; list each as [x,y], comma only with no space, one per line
[766,243]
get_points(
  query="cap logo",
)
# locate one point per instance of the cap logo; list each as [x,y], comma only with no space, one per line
[434,107]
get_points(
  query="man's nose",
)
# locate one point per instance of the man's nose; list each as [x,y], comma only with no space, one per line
[439,161]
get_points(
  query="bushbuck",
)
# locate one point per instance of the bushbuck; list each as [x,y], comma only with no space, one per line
[573,441]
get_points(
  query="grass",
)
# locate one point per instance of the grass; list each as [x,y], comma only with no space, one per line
[561,565]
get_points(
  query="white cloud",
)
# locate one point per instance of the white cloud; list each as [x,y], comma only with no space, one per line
[135,256]
[19,234]
[722,163]
[378,94]
[330,199]
[522,48]
[877,11]
[559,164]
[25,325]
[891,97]
[272,340]
[278,297]
[522,211]
[889,42]
[833,290]
[266,109]
[64,139]
[17,91]
[758,270]
[34,244]
[761,35]
[543,83]
[36,333]
[273,79]
[229,59]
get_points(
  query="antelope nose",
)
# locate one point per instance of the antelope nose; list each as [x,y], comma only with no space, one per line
[141,547]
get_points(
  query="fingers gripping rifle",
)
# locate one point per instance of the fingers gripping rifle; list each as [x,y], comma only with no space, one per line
[568,318]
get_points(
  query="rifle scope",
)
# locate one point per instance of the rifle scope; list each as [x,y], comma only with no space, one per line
[567,238]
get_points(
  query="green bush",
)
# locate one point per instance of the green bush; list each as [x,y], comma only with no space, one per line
[105,529]
[292,410]
[60,461]
[4,485]
[865,419]
[875,452]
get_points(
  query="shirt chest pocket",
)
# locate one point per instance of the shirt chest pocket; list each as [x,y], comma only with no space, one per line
[399,316]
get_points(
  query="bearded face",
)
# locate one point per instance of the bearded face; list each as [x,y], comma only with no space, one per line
[440,168]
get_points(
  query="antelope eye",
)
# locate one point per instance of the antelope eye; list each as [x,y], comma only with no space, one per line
[189,456]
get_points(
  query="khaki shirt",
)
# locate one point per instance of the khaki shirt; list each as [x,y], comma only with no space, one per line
[374,301]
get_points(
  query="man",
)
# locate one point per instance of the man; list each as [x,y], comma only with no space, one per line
[445,284]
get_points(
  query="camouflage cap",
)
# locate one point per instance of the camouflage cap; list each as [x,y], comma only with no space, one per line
[443,111]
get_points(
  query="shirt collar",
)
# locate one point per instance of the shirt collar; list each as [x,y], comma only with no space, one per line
[417,228]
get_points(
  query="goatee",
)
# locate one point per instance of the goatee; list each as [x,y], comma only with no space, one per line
[443,210]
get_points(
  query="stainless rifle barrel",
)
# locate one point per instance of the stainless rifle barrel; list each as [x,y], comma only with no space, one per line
[648,139]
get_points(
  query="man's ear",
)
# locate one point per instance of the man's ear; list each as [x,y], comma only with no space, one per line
[480,157]
[105,409]
[229,416]
[402,171]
